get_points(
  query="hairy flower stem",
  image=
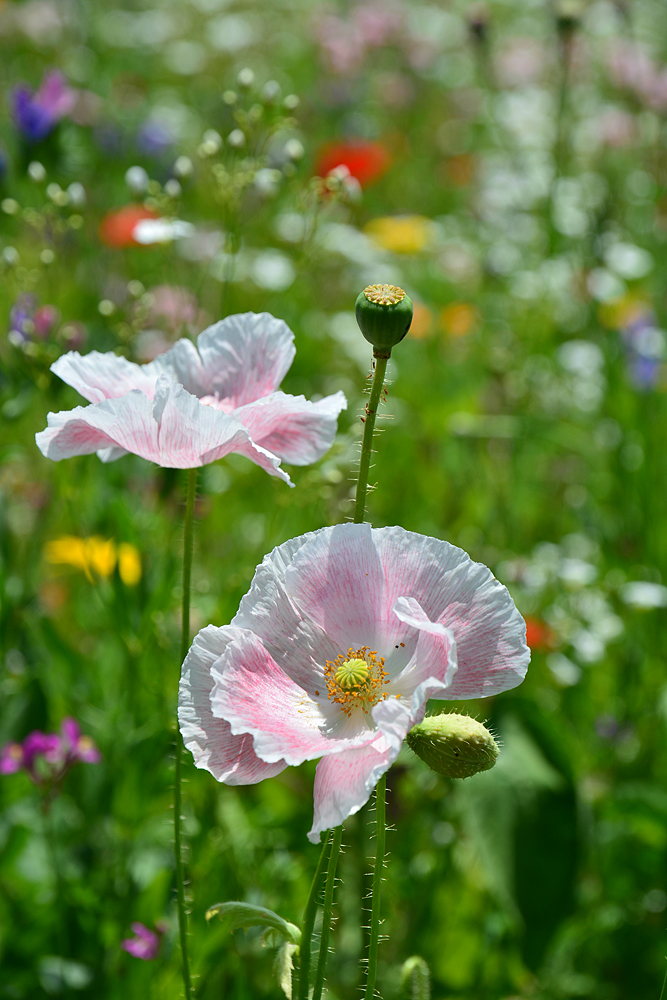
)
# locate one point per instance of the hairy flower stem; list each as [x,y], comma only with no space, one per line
[188,538]
[309,922]
[367,441]
[327,912]
[380,792]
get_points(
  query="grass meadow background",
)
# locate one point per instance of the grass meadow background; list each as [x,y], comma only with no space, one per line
[514,181]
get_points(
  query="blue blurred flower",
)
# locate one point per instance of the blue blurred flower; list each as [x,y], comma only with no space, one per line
[155,138]
[37,113]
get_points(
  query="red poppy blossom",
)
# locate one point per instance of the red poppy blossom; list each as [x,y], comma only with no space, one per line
[117,227]
[367,161]
[538,634]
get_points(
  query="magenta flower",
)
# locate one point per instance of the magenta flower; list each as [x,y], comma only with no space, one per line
[47,757]
[345,634]
[194,405]
[145,944]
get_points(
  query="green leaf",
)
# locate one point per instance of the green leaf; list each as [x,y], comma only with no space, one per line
[283,967]
[236,914]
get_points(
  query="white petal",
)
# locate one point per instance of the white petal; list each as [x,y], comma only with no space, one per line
[292,427]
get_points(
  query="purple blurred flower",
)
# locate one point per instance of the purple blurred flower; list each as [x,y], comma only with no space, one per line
[155,138]
[645,349]
[145,944]
[47,757]
[21,318]
[37,113]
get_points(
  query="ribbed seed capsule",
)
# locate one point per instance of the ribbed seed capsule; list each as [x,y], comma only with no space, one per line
[454,745]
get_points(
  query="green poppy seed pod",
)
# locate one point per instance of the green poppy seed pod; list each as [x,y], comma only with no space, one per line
[454,745]
[384,315]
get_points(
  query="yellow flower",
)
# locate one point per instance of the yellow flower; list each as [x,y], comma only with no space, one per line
[129,564]
[95,554]
[400,233]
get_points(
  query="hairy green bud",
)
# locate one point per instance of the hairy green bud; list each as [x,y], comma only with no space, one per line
[384,315]
[454,745]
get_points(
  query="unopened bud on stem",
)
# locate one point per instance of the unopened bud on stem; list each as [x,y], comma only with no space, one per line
[454,745]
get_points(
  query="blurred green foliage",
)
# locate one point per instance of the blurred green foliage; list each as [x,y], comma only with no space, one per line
[528,418]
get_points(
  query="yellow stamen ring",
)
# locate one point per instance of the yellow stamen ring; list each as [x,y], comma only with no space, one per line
[355,680]
[384,295]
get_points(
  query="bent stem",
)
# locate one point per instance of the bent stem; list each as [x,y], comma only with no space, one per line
[377,884]
[367,441]
[309,922]
[188,538]
[327,912]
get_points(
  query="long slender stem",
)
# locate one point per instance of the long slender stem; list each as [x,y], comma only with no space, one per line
[309,922]
[380,792]
[326,913]
[367,441]
[188,538]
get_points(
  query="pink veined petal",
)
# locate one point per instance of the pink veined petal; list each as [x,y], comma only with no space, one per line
[336,580]
[344,782]
[229,758]
[255,696]
[463,595]
[107,376]
[103,376]
[174,430]
[292,427]
[246,356]
[294,643]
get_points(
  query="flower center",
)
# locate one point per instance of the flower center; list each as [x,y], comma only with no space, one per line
[384,295]
[356,680]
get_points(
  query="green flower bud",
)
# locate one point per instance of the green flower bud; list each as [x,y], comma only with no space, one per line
[454,745]
[384,315]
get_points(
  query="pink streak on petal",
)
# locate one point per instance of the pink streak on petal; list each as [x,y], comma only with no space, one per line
[292,427]
[344,782]
[246,356]
[230,759]
[256,696]
[464,596]
[336,580]
[294,643]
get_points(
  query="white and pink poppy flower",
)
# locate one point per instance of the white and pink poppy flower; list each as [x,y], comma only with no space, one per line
[195,404]
[345,634]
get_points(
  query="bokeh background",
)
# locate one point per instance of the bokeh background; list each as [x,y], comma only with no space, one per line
[505,163]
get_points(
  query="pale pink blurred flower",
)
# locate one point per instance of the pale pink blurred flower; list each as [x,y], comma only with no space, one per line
[173,304]
[411,617]
[615,127]
[520,62]
[145,944]
[632,67]
[344,41]
[194,405]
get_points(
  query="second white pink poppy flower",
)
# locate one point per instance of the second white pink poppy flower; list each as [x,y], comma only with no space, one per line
[194,405]
[344,636]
